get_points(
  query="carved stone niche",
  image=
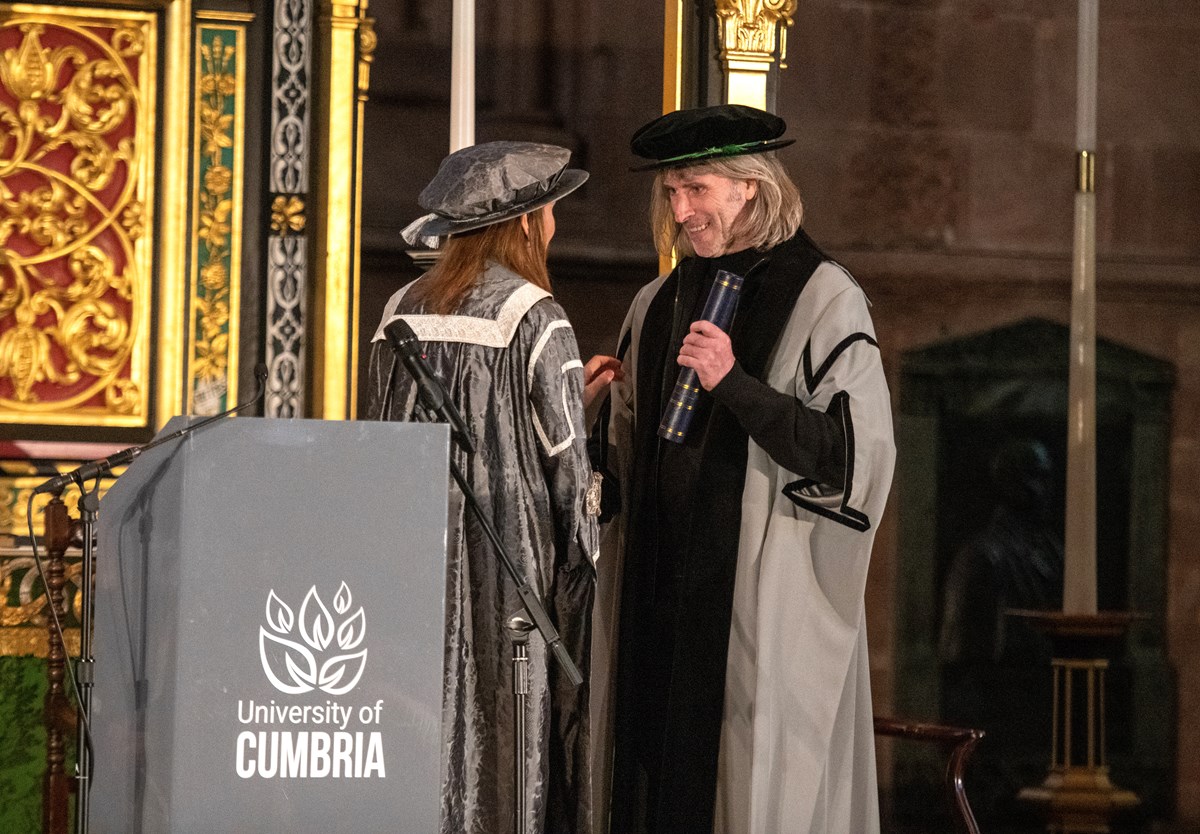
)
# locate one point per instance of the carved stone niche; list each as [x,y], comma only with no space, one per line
[960,402]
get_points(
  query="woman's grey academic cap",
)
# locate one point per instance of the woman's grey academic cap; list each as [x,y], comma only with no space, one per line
[495,181]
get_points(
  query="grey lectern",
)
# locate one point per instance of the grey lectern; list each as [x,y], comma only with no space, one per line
[269,608]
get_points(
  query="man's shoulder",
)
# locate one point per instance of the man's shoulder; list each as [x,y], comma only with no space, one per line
[827,274]
[833,295]
[645,295]
[799,258]
[650,289]
[831,276]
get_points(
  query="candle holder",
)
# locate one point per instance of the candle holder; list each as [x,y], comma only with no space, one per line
[1077,796]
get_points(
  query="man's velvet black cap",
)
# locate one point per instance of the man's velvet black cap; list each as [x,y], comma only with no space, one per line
[687,137]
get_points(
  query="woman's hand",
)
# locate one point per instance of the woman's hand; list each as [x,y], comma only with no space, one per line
[598,374]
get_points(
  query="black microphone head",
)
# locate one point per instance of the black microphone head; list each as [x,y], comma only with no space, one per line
[401,337]
[260,373]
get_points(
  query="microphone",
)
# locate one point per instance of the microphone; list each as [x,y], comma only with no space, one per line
[719,309]
[87,471]
[102,467]
[404,342]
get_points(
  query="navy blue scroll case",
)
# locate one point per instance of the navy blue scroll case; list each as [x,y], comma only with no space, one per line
[718,309]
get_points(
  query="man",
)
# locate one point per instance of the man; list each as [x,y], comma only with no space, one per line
[743,701]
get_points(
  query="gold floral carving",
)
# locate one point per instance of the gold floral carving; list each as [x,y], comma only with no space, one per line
[74,180]
[287,215]
[218,225]
[749,26]
[30,641]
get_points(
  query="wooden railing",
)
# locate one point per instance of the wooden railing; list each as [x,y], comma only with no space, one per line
[59,714]
[961,742]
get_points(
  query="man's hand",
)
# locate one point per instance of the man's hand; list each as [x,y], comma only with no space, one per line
[707,350]
[598,373]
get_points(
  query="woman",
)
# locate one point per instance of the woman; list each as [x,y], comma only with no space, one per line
[506,354]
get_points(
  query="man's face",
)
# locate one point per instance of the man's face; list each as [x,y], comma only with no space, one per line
[707,207]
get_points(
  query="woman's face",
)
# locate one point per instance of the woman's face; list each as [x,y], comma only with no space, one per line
[547,212]
[548,222]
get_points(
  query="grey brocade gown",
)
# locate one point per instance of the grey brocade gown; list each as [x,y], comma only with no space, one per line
[509,360]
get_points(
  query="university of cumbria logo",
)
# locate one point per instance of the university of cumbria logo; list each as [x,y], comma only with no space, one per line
[296,663]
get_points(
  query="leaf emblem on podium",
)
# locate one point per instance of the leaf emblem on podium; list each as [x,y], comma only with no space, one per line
[279,615]
[293,662]
[299,664]
[352,632]
[339,667]
[316,623]
[341,602]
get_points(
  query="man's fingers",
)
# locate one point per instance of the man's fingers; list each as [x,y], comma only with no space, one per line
[700,339]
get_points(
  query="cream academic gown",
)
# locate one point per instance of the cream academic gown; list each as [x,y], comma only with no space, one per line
[796,740]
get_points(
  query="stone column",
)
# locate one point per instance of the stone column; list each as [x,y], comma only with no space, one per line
[753,38]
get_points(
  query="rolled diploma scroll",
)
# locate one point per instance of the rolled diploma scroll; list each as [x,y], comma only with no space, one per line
[718,309]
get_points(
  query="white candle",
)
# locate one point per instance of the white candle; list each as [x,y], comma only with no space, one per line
[462,75]
[1085,80]
[1079,574]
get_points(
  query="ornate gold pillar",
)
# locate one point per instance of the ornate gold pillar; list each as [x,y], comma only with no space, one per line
[176,117]
[673,56]
[347,42]
[744,69]
[752,33]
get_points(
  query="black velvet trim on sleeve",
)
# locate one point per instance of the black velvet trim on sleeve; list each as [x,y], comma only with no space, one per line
[847,515]
[812,380]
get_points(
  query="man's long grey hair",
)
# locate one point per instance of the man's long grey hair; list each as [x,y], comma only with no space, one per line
[769,219]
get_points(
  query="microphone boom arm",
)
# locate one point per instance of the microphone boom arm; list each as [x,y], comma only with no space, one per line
[99,468]
[529,597]
[434,403]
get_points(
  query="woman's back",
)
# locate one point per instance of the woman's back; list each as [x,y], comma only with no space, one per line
[507,357]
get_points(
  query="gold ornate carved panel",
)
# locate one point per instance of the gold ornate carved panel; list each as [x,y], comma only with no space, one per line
[76,198]
[218,196]
[749,46]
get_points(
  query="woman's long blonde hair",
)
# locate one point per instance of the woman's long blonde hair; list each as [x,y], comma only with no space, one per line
[772,217]
[465,256]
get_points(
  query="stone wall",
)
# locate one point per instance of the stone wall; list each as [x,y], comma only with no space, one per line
[935,153]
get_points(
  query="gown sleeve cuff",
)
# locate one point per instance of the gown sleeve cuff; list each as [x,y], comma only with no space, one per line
[738,390]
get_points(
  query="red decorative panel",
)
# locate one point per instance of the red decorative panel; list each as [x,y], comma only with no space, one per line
[76,161]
